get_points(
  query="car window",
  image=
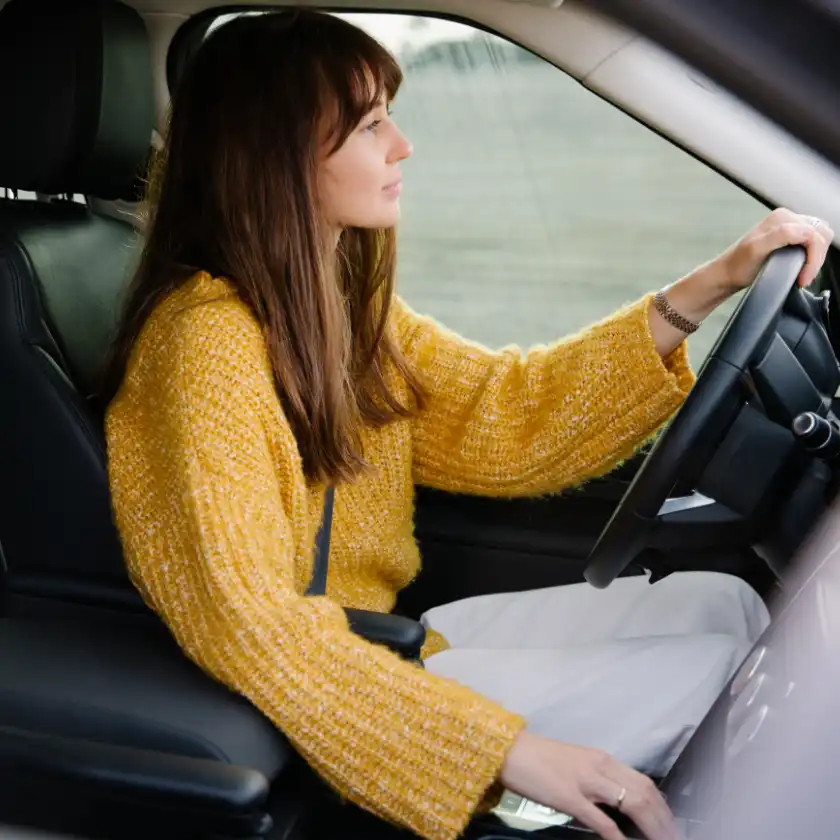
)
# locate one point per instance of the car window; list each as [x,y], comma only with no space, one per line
[531,207]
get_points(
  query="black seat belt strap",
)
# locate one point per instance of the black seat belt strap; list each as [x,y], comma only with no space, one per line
[318,583]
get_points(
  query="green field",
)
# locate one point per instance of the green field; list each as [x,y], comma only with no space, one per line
[531,207]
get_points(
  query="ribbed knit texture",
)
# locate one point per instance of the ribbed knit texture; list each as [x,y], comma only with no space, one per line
[218,525]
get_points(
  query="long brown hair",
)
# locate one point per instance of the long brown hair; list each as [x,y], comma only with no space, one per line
[234,193]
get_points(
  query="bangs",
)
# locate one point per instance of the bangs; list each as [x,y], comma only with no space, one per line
[365,76]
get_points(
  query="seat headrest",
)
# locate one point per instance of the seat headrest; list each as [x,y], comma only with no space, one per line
[76,97]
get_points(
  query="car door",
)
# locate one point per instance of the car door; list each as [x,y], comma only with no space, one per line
[532,208]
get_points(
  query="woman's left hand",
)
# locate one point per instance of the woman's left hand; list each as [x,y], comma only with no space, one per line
[697,294]
[739,265]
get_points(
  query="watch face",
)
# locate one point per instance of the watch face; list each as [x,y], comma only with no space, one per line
[526,815]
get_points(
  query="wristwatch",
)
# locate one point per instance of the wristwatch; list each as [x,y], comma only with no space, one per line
[664,308]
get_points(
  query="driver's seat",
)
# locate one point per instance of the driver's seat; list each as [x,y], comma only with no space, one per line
[105,728]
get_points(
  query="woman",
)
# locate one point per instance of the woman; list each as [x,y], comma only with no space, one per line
[263,356]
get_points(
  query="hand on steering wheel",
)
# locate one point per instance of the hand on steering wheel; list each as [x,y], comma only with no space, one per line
[782,227]
[698,294]
[715,403]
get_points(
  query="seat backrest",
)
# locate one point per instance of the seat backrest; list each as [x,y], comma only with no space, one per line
[78,111]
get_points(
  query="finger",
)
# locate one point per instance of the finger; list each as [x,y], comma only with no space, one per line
[653,819]
[780,216]
[616,776]
[817,251]
[796,233]
[593,817]
[651,815]
[816,244]
[643,802]
[647,809]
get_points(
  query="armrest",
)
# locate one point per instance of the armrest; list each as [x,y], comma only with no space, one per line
[96,789]
[403,635]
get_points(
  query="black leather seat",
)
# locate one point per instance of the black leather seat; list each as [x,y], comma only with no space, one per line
[105,728]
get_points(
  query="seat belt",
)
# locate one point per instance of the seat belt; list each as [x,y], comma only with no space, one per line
[403,635]
[318,582]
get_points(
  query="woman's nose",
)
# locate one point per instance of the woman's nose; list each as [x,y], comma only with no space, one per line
[401,148]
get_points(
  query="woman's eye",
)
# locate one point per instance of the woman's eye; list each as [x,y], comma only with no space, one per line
[373,125]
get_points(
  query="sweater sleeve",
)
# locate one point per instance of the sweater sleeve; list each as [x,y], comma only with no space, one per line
[211,546]
[509,423]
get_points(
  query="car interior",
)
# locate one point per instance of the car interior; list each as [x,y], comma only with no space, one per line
[106,729]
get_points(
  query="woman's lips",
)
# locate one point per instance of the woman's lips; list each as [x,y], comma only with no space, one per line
[393,189]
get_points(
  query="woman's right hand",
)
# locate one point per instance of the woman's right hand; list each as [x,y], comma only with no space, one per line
[575,780]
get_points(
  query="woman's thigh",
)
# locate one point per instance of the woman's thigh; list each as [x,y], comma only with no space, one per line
[639,699]
[685,603]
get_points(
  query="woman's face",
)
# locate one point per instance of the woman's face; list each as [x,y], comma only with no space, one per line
[360,184]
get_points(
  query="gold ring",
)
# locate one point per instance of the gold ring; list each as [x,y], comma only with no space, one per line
[620,801]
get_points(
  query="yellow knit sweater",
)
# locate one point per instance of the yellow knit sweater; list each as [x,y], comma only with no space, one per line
[218,525]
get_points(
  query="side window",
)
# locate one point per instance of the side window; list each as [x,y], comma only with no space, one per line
[531,207]
[24,195]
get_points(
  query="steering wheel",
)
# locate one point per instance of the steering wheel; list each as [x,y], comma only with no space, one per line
[694,433]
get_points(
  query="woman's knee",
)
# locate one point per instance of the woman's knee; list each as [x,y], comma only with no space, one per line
[715,587]
[709,602]
[730,589]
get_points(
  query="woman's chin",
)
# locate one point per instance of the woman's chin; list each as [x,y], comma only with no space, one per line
[381,220]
